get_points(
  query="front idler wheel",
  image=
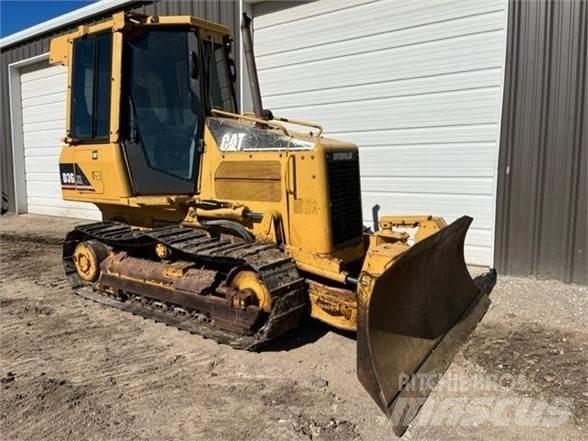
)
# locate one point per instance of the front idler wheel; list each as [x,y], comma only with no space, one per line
[248,283]
[87,257]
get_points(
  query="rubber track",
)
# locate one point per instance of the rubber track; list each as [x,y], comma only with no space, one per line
[277,271]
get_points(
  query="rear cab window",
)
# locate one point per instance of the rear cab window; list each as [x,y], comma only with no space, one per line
[90,95]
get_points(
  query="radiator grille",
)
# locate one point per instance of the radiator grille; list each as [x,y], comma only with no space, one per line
[344,196]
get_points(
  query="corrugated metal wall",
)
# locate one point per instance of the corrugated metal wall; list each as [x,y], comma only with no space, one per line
[542,181]
[220,11]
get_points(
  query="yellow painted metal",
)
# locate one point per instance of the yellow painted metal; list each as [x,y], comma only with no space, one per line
[416,307]
[289,185]
[271,228]
[87,262]
[186,20]
[289,188]
[426,225]
[236,213]
[162,251]
[103,165]
[276,122]
[268,173]
[381,257]
[429,227]
[329,265]
[61,52]
[60,47]
[176,270]
[248,180]
[106,168]
[334,306]
[249,281]
[393,229]
[115,86]
[401,289]
[384,249]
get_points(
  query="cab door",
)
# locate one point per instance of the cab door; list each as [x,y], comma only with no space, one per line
[162,111]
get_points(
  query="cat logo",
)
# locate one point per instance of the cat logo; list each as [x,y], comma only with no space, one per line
[232,142]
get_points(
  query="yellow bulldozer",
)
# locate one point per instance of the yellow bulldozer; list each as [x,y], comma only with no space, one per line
[237,226]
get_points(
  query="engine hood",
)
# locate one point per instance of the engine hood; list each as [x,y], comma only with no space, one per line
[237,135]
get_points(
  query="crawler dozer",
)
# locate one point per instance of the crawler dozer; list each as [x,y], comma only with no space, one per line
[237,226]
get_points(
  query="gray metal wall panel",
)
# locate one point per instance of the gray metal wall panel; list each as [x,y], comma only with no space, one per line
[6,176]
[542,181]
[221,11]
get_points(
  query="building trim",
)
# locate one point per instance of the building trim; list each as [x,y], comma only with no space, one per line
[63,20]
[240,58]
[18,159]
[498,135]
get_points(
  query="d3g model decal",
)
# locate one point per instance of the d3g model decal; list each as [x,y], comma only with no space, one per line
[73,178]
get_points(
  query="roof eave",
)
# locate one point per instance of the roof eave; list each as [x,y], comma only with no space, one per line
[64,20]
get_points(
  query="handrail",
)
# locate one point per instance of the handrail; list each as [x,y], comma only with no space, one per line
[252,119]
[272,122]
[302,122]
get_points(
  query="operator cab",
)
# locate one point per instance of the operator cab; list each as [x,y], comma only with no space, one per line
[172,76]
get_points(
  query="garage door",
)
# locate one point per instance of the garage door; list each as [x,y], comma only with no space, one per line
[43,95]
[416,84]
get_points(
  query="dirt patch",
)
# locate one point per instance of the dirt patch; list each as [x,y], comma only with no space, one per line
[331,429]
[554,361]
[4,302]
[32,238]
[54,408]
[34,257]
[25,309]
[289,393]
[72,369]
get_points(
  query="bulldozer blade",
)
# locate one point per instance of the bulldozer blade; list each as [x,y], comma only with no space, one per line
[412,320]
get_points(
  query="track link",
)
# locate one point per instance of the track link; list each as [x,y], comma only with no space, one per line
[276,270]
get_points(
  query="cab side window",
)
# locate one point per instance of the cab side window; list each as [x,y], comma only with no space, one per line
[219,84]
[90,97]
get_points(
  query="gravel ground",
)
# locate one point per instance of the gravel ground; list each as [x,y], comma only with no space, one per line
[71,369]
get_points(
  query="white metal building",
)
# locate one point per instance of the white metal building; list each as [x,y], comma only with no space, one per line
[42,100]
[416,84]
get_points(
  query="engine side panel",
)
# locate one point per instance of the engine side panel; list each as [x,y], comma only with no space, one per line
[269,172]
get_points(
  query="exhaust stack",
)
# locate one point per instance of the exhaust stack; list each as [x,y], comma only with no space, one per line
[251,67]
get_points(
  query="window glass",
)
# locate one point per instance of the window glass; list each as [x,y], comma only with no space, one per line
[90,99]
[164,99]
[218,81]
[103,80]
[83,88]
